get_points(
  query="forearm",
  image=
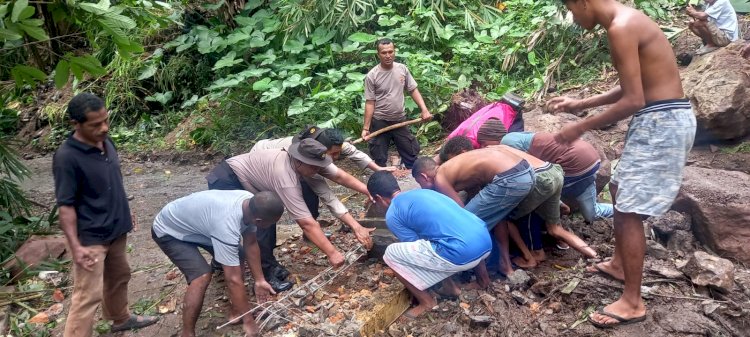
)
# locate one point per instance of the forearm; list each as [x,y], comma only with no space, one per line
[614,113]
[369,111]
[252,255]
[373,166]
[348,220]
[609,97]
[347,180]
[312,231]
[69,225]
[417,97]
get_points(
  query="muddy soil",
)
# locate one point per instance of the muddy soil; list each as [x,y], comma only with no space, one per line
[554,303]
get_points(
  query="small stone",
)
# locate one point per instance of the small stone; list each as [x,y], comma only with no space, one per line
[555,306]
[518,278]
[311,309]
[520,298]
[131,197]
[668,272]
[656,250]
[480,321]
[709,308]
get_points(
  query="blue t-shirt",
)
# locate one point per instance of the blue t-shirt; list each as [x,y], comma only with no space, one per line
[456,235]
[518,140]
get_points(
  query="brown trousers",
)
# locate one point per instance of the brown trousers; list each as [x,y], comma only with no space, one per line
[106,284]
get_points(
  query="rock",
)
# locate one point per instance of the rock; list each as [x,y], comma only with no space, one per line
[710,307]
[718,86]
[36,249]
[519,278]
[717,200]
[666,225]
[680,320]
[478,322]
[682,242]
[519,297]
[708,270]
[656,250]
[667,271]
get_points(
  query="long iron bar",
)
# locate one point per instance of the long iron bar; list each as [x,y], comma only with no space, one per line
[311,286]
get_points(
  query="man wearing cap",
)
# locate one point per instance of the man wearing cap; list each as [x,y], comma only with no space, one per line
[279,170]
[384,94]
[491,132]
[580,163]
[316,188]
[224,224]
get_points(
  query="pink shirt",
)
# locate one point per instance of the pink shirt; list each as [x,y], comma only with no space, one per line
[471,125]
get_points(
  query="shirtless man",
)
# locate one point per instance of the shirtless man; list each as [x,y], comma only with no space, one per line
[544,200]
[661,133]
[502,179]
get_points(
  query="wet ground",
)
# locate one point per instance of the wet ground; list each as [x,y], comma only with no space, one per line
[554,302]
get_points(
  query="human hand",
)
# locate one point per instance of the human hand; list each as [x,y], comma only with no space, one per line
[564,208]
[569,133]
[262,291]
[426,115]
[336,259]
[363,236]
[562,104]
[745,52]
[85,258]
[387,168]
[365,134]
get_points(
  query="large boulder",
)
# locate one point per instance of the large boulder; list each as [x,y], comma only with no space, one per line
[717,200]
[718,85]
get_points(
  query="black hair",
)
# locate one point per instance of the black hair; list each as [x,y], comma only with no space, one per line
[422,165]
[330,138]
[384,41]
[82,104]
[454,147]
[267,205]
[382,183]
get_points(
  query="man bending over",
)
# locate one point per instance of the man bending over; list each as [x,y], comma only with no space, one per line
[438,238]
[502,180]
[220,222]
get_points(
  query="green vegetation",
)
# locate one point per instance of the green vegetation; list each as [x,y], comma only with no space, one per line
[237,71]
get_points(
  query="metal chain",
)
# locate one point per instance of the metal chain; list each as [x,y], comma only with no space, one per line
[311,286]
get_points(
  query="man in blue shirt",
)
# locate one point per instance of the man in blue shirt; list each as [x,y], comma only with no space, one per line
[438,238]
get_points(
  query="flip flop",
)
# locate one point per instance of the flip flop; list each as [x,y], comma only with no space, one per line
[620,320]
[599,271]
[134,323]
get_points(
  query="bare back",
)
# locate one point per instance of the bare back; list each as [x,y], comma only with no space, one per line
[474,169]
[533,161]
[660,77]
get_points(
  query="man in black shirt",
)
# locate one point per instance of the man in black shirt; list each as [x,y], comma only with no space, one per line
[95,217]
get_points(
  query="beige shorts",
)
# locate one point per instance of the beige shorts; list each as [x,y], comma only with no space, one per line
[719,37]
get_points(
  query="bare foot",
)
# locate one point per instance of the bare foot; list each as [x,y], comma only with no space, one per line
[420,309]
[618,313]
[539,255]
[524,263]
[474,286]
[607,269]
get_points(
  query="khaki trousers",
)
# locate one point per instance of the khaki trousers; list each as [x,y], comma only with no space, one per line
[106,284]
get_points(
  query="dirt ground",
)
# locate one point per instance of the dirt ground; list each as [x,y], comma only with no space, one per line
[554,302]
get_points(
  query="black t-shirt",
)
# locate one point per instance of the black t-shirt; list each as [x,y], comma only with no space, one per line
[90,180]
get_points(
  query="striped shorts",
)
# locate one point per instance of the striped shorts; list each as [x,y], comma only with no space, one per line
[420,265]
[649,173]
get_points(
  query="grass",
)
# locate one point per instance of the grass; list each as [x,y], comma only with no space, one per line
[743,147]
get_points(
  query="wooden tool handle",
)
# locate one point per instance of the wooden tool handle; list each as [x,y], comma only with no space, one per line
[388,128]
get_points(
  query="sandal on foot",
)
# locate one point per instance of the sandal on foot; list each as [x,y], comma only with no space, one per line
[134,323]
[620,320]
